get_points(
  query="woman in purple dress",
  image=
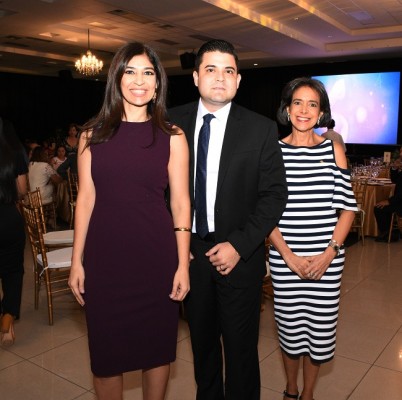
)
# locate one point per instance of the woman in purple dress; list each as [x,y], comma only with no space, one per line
[131,255]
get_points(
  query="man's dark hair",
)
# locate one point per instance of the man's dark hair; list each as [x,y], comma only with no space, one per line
[216,45]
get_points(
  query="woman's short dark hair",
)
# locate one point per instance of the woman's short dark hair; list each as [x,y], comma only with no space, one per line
[39,154]
[287,97]
[216,45]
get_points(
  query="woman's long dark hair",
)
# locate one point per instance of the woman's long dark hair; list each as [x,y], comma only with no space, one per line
[108,120]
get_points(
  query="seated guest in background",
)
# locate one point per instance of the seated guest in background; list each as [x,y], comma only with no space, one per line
[49,148]
[70,163]
[59,158]
[62,194]
[397,163]
[383,210]
[29,145]
[333,135]
[42,175]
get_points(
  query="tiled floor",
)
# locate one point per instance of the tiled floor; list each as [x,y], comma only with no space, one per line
[51,362]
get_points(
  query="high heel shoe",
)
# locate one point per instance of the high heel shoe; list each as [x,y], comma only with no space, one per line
[290,396]
[7,330]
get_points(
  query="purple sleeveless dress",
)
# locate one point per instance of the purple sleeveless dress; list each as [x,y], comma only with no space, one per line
[130,254]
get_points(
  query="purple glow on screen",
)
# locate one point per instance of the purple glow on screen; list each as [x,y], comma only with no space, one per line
[364,106]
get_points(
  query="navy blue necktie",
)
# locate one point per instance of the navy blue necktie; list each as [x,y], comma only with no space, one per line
[201,222]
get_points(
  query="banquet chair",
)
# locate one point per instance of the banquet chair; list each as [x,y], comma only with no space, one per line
[35,201]
[50,267]
[359,189]
[53,239]
[48,210]
[73,192]
[396,223]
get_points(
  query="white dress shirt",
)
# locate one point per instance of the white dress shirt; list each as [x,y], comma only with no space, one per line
[217,133]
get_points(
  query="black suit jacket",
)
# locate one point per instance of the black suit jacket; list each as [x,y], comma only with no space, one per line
[396,200]
[251,190]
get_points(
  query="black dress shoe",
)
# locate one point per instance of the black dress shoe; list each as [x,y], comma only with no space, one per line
[382,238]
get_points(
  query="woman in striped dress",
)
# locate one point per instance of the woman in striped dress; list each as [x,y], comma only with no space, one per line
[307,256]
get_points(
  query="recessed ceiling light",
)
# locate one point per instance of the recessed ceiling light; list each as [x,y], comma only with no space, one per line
[102,25]
[362,16]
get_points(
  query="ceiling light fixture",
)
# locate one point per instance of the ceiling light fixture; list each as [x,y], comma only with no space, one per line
[88,64]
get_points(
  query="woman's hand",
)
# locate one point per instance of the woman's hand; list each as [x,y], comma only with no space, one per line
[181,284]
[297,264]
[76,282]
[319,264]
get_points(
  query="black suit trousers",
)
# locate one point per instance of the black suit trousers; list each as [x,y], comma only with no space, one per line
[383,218]
[216,310]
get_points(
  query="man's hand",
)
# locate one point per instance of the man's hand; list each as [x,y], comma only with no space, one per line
[382,204]
[223,257]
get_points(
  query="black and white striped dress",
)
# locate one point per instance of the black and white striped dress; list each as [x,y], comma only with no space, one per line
[306,311]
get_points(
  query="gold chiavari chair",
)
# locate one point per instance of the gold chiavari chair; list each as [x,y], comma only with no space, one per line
[396,223]
[73,193]
[359,190]
[53,239]
[50,267]
[48,210]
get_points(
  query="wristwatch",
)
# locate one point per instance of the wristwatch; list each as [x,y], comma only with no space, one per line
[334,244]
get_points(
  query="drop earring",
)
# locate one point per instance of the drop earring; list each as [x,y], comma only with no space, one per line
[288,117]
[154,98]
[318,121]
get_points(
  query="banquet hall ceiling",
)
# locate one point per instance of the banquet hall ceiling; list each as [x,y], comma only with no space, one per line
[44,37]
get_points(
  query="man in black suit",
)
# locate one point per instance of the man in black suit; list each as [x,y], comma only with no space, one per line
[245,197]
[384,209]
